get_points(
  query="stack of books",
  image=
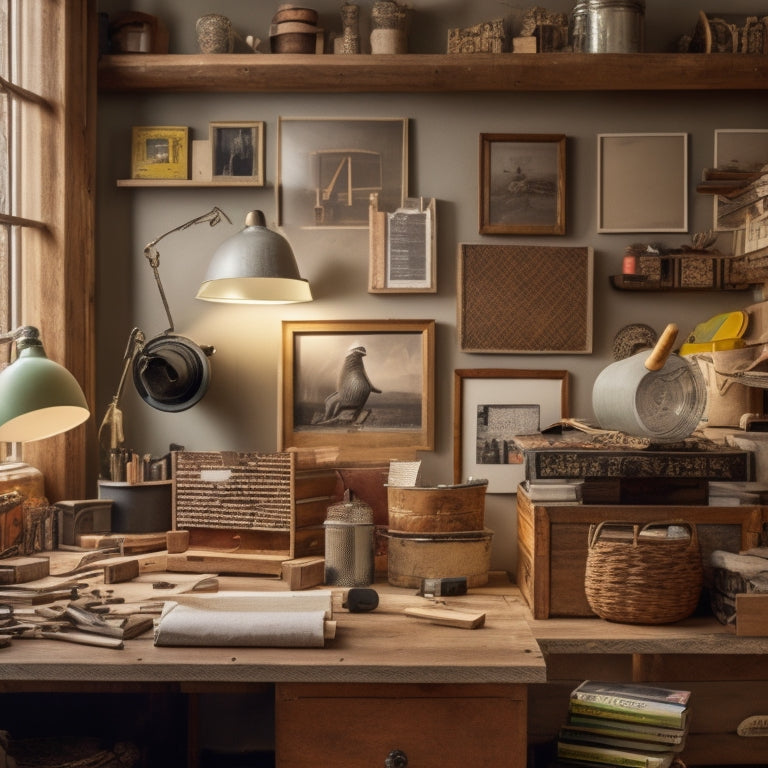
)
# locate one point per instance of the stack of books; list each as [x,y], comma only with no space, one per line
[624,724]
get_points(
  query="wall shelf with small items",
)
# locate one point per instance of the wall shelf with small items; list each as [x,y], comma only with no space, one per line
[185,183]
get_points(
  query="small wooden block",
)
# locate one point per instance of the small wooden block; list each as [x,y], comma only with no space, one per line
[304,572]
[450,617]
[752,614]
[177,541]
[17,570]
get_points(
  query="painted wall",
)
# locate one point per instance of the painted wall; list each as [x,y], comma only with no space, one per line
[240,411]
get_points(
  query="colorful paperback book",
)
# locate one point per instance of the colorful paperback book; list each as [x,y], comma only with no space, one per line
[623,758]
[635,703]
[674,737]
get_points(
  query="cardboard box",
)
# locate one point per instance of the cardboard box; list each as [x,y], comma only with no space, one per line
[552,544]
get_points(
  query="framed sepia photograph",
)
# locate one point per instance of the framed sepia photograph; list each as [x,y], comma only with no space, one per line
[358,384]
[329,167]
[160,152]
[491,406]
[511,299]
[642,182]
[522,184]
[237,152]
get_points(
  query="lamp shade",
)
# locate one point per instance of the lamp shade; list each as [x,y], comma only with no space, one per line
[254,266]
[38,397]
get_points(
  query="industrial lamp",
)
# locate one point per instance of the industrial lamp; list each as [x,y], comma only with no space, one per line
[255,266]
[38,397]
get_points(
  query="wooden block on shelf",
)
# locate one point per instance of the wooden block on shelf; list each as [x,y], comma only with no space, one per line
[526,44]
[206,561]
[752,614]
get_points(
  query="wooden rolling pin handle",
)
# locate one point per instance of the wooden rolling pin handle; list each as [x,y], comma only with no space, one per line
[663,348]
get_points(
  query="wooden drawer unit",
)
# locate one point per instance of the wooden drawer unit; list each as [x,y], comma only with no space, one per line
[552,544]
[418,726]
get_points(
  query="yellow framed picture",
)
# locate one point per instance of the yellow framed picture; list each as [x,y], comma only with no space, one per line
[160,152]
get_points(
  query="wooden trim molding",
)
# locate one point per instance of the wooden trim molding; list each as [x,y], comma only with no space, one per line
[59,180]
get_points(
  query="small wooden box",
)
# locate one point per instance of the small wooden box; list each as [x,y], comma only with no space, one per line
[253,502]
[552,544]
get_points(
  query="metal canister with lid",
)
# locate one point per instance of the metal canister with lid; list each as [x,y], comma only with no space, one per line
[608,26]
[349,544]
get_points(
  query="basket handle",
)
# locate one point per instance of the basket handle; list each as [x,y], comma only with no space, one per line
[682,523]
[596,529]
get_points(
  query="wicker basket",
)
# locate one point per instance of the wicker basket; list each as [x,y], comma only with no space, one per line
[636,576]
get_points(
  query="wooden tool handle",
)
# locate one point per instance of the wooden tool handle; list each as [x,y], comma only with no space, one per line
[663,348]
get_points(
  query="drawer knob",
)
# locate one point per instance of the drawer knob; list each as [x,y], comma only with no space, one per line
[396,759]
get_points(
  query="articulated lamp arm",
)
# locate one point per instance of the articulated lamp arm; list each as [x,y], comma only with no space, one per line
[213,217]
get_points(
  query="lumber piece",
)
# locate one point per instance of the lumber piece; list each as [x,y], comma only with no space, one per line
[303,572]
[752,614]
[450,617]
[17,570]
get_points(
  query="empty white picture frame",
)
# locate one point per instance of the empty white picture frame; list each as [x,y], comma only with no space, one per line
[642,182]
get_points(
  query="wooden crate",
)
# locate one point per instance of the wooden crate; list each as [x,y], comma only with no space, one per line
[252,502]
[552,544]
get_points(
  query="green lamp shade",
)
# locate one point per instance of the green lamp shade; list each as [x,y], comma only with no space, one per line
[255,266]
[38,398]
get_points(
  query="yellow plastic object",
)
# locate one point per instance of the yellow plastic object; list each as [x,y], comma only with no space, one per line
[721,332]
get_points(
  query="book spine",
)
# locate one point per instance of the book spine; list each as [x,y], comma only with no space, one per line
[621,729]
[665,719]
[630,703]
[605,756]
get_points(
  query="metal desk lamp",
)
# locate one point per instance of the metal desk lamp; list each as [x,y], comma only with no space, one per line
[38,397]
[171,372]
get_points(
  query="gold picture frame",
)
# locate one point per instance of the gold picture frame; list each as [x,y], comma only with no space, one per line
[160,152]
[394,359]
[522,184]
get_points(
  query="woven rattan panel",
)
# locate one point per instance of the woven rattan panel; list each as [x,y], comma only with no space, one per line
[250,491]
[515,298]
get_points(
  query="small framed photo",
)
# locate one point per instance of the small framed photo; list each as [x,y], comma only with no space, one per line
[642,182]
[237,152]
[491,406]
[329,167]
[522,184]
[160,152]
[360,385]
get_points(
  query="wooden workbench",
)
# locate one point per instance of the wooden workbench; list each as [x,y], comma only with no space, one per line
[400,675]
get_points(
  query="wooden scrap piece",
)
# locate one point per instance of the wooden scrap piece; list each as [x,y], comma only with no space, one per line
[303,572]
[752,614]
[17,570]
[450,617]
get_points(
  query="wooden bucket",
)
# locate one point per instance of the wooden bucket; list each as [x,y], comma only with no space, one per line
[413,557]
[439,509]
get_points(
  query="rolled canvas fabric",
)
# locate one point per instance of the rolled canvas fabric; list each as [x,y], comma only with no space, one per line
[245,620]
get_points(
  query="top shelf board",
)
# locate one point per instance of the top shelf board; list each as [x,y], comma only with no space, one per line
[432,73]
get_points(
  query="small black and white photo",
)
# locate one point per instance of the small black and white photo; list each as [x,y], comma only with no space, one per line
[237,151]
[522,184]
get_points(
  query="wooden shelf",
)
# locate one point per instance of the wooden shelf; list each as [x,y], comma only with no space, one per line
[432,73]
[184,183]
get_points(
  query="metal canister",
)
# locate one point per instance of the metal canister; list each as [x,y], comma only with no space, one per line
[608,26]
[349,544]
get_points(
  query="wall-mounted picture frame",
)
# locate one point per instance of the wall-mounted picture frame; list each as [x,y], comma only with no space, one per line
[511,299]
[160,152]
[522,184]
[237,152]
[328,167]
[642,182]
[403,247]
[359,385]
[490,407]
[744,150]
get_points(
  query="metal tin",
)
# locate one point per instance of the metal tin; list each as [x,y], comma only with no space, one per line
[608,26]
[349,545]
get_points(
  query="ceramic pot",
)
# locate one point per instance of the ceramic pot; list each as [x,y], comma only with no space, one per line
[215,34]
